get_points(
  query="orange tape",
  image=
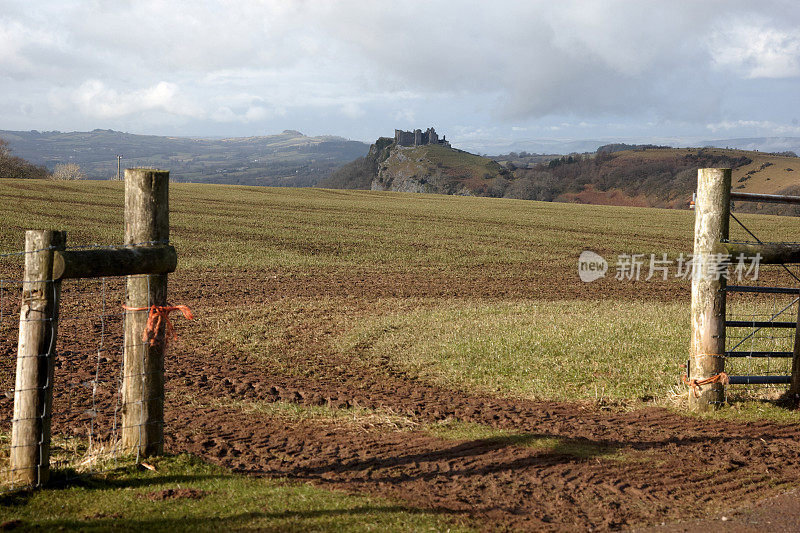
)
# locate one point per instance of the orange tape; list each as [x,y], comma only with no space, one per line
[695,385]
[158,317]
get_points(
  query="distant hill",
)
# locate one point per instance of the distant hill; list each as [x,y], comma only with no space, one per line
[616,174]
[498,145]
[653,176]
[432,168]
[758,144]
[624,175]
[286,159]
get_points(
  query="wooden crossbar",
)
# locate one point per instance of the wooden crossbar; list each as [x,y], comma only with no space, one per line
[769,254]
[771,198]
[116,261]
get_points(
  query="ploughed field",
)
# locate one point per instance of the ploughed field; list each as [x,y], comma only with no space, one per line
[436,352]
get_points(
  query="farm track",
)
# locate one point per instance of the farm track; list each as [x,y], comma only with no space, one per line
[648,465]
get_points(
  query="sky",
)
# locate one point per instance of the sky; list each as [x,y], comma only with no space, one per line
[488,75]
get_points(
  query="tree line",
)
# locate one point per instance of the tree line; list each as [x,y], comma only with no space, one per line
[12,166]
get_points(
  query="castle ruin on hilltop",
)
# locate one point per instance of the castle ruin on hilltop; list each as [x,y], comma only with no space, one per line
[419,138]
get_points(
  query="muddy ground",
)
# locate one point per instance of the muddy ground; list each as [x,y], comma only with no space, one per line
[637,469]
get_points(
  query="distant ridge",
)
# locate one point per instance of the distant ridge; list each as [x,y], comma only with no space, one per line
[760,144]
[287,159]
[644,175]
[495,146]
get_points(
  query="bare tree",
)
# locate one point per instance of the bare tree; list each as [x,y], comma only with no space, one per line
[68,171]
[12,166]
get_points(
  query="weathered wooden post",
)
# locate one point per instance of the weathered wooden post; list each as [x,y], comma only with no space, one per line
[146,221]
[712,216]
[33,393]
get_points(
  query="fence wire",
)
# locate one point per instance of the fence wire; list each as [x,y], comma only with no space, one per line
[86,416]
[766,350]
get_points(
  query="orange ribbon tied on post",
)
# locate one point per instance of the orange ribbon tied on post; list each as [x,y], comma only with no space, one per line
[695,386]
[158,317]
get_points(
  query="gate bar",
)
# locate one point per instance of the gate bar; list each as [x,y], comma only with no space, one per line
[759,324]
[764,290]
[759,380]
[759,354]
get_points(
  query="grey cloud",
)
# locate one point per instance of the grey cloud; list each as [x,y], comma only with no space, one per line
[577,57]
[367,62]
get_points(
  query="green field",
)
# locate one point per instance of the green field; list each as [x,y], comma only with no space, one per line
[497,278]
[473,294]
[225,227]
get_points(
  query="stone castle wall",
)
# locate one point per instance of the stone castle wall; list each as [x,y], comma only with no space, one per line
[418,137]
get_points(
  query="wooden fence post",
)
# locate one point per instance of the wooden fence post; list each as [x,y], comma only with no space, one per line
[712,217]
[33,392]
[146,221]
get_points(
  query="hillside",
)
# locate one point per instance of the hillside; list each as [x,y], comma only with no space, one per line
[617,174]
[776,174]
[289,158]
[624,175]
[430,168]
[439,169]
[12,166]
[652,176]
[359,174]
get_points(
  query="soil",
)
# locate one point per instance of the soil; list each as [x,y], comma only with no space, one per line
[11,525]
[242,287]
[638,468]
[175,494]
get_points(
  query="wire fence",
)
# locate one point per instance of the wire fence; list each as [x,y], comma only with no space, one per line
[87,401]
[761,342]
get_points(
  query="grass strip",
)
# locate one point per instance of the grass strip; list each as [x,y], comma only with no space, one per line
[186,494]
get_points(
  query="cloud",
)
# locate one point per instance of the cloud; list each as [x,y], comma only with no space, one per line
[24,49]
[95,98]
[757,50]
[331,66]
[254,113]
[352,110]
[771,128]
[11,41]
[403,116]
[536,59]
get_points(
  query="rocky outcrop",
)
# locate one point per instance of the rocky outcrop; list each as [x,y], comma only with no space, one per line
[436,169]
[428,168]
